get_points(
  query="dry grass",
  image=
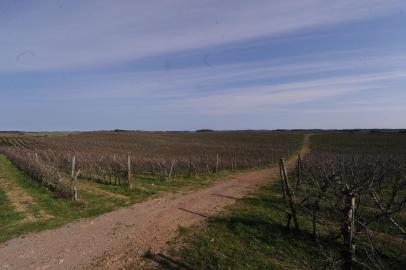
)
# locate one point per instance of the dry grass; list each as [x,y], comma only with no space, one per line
[22,201]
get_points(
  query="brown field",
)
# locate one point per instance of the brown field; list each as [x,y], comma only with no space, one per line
[104,156]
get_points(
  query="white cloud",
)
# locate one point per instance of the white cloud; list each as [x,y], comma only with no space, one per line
[228,78]
[224,90]
[252,98]
[68,34]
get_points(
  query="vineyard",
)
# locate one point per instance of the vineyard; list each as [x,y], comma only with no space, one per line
[16,141]
[38,189]
[119,158]
[353,189]
[343,207]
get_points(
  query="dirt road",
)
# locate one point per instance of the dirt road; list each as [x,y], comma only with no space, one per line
[116,239]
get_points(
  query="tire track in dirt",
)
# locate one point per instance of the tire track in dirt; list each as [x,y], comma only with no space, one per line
[120,238]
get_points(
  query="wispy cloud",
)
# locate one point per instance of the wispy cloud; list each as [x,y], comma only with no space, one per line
[237,88]
[68,34]
[266,98]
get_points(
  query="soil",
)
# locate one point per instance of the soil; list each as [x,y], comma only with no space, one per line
[120,238]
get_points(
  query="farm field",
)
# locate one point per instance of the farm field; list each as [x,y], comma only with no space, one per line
[111,240]
[35,170]
[258,230]
[203,135]
[252,234]
[15,140]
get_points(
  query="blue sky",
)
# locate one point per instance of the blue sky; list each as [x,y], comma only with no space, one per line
[185,65]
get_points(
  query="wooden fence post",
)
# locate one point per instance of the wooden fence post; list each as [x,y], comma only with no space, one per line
[299,170]
[217,163]
[282,180]
[289,215]
[207,165]
[129,183]
[348,230]
[74,178]
[190,166]
[170,171]
[290,196]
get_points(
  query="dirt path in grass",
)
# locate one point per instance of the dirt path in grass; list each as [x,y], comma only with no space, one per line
[120,238]
[22,202]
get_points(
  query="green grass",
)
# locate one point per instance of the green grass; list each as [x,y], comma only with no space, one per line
[62,210]
[249,236]
[252,233]
[7,213]
[153,185]
[90,204]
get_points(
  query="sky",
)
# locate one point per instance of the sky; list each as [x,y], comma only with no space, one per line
[192,64]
